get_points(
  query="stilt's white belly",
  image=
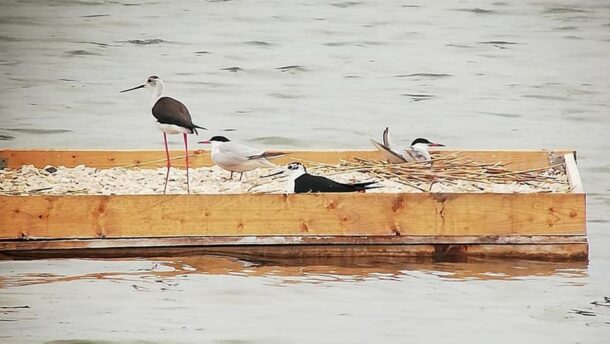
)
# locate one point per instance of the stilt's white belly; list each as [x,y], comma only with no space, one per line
[173,129]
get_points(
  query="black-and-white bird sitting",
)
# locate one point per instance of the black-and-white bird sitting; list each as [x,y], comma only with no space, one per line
[235,157]
[418,151]
[300,181]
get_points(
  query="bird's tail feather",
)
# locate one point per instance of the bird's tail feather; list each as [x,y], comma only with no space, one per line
[195,126]
[367,185]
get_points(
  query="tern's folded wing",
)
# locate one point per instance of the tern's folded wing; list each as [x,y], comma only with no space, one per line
[413,155]
[231,153]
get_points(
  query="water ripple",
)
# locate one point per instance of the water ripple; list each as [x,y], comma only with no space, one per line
[475,10]
[418,96]
[258,43]
[232,69]
[497,42]
[346,4]
[81,52]
[145,41]
[37,131]
[562,10]
[278,141]
[292,68]
[425,75]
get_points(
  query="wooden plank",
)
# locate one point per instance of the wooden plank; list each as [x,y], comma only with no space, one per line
[519,160]
[302,214]
[573,174]
[195,241]
[544,252]
[563,252]
[151,158]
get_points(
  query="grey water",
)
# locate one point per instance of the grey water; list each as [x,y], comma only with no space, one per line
[312,74]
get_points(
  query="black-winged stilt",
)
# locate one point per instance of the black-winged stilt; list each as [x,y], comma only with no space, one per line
[300,181]
[172,118]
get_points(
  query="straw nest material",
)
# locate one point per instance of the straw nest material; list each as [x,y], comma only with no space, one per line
[454,170]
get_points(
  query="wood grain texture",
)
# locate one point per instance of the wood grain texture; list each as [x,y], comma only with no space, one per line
[300,214]
[199,241]
[519,160]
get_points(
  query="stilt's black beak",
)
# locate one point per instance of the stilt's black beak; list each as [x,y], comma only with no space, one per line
[273,174]
[133,88]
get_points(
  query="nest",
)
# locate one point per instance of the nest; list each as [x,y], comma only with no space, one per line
[449,169]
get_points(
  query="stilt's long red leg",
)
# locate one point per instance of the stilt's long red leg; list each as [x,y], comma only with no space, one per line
[168,163]
[186,150]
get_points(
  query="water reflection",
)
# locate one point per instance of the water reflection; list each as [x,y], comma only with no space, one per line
[308,270]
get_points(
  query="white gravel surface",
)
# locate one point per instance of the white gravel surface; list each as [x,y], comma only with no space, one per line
[212,180]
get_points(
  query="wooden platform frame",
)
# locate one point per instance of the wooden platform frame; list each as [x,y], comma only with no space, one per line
[537,226]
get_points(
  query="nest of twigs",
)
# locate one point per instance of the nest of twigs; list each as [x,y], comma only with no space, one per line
[449,169]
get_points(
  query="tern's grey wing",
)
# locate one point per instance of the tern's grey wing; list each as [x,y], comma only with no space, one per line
[389,154]
[231,153]
[412,155]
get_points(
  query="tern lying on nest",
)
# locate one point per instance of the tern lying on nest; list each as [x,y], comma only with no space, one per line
[417,152]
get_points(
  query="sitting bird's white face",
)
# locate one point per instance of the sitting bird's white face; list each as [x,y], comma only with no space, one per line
[421,146]
[296,168]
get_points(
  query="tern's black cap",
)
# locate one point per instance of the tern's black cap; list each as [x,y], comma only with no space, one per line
[420,140]
[220,139]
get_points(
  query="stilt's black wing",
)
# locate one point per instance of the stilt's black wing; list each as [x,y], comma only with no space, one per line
[171,111]
[309,183]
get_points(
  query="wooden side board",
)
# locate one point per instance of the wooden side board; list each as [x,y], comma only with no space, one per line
[302,214]
[519,160]
[573,174]
[576,251]
[201,241]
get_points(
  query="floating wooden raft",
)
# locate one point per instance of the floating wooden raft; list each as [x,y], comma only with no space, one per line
[519,225]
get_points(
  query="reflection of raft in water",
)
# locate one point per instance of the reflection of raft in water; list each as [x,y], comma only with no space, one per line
[303,270]
[544,225]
